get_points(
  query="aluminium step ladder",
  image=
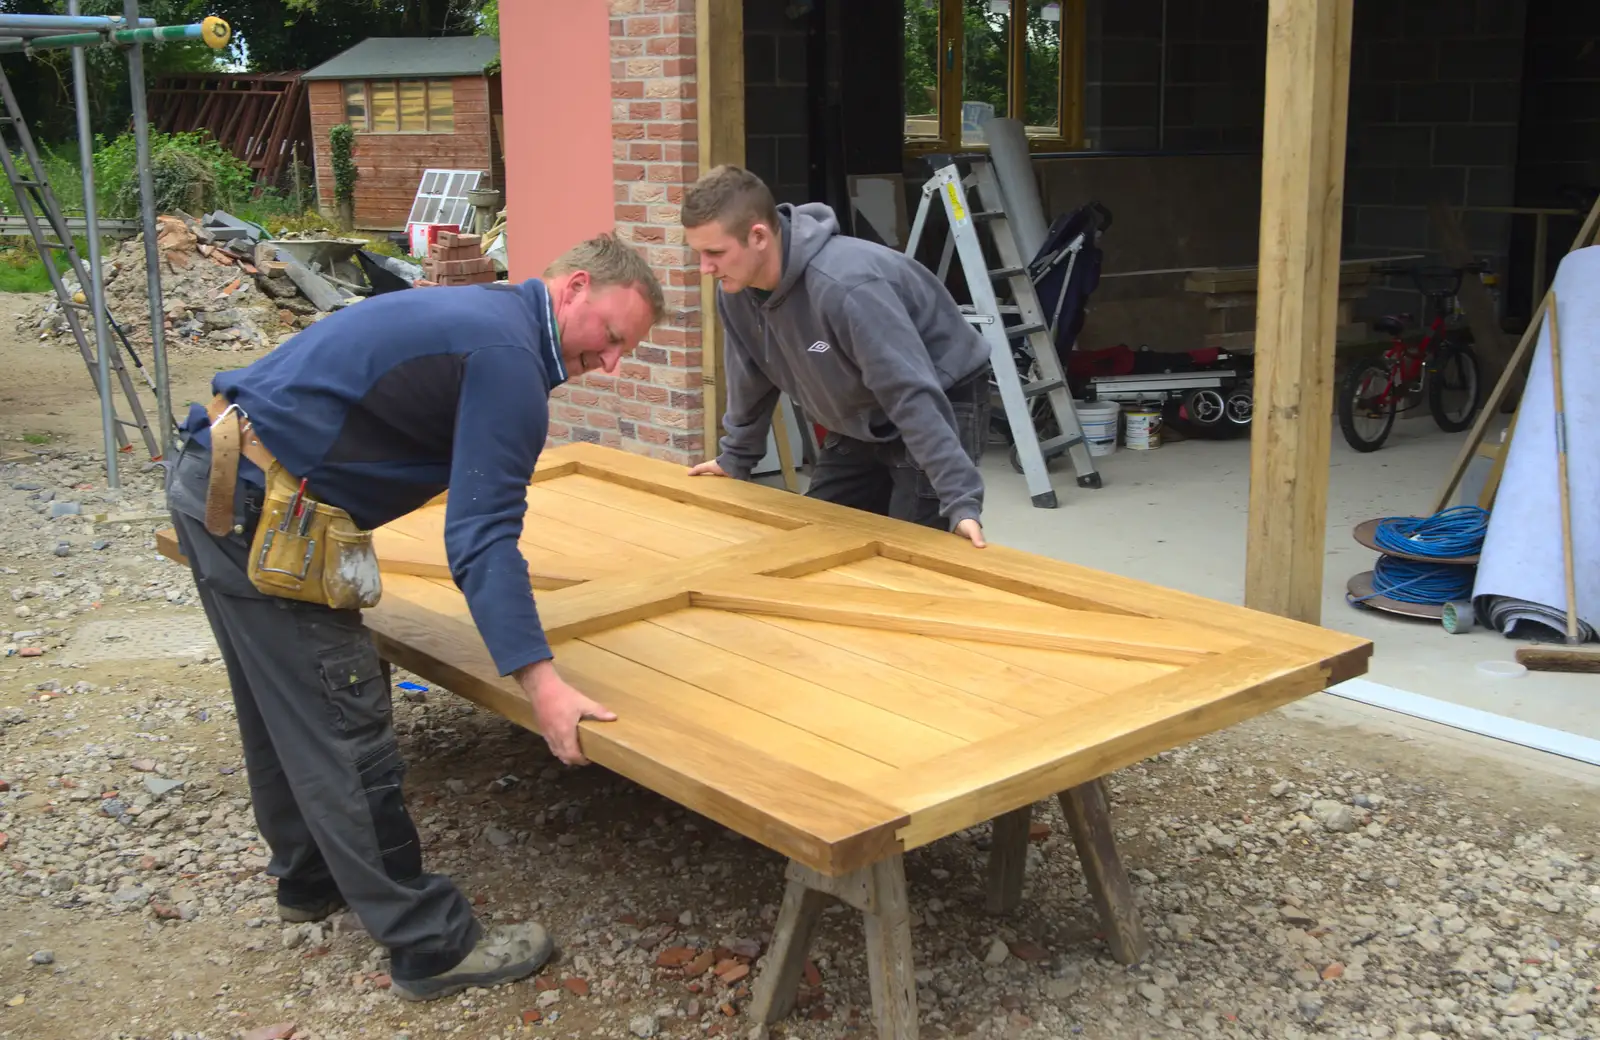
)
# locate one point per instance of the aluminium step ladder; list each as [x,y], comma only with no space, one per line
[1047,383]
[36,200]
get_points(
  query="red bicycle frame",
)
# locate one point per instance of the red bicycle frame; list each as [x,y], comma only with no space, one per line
[1406,360]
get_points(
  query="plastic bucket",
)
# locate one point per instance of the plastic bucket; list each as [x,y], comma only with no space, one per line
[1099,421]
[1142,429]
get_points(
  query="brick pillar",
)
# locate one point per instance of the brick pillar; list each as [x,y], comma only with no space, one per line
[653,404]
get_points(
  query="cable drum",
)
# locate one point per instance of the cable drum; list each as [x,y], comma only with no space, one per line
[1447,535]
[1421,562]
[1430,583]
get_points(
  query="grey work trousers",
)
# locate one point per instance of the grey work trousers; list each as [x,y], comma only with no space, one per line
[881,476]
[315,718]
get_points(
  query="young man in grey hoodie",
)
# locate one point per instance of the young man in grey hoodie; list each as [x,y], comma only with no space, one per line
[864,338]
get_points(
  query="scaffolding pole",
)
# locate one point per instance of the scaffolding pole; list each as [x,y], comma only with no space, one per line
[62,23]
[97,282]
[152,252]
[116,37]
[22,33]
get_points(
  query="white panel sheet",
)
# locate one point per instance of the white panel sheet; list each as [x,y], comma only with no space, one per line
[1522,554]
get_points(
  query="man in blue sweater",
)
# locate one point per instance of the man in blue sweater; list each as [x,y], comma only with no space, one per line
[379,408]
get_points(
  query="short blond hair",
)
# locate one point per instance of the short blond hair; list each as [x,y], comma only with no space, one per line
[608,261]
[733,197]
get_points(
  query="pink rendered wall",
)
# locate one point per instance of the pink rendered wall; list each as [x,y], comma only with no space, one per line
[556,68]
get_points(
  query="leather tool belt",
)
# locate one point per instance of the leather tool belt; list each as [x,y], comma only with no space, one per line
[302,549]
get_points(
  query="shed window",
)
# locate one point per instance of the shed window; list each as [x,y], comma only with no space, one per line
[355,105]
[408,106]
[385,113]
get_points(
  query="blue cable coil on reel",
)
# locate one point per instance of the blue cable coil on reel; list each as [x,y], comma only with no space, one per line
[1446,536]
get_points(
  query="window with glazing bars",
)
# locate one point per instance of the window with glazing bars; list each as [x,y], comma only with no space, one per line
[404,106]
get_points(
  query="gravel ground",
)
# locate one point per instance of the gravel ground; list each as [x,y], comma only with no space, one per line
[1296,882]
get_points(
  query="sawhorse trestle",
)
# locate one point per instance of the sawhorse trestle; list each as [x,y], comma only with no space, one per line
[879,892]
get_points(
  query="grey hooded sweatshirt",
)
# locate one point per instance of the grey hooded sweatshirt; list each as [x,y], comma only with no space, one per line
[866,340]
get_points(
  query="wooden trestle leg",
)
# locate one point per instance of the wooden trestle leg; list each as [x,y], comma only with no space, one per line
[1088,814]
[1089,817]
[879,892]
[1008,860]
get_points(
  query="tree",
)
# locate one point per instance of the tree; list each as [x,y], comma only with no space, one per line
[44,84]
[268,36]
[986,46]
[299,34]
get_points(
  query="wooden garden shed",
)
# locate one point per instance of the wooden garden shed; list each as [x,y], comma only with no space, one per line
[415,104]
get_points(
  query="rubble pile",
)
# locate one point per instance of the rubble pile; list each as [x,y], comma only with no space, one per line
[225,284]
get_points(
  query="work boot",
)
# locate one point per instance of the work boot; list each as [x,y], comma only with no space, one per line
[506,955]
[318,911]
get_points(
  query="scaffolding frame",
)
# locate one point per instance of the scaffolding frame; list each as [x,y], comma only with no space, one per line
[30,33]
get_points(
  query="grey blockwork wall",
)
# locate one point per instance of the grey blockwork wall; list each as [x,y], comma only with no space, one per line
[1434,100]
[1434,105]
[1197,86]
[1559,147]
[776,128]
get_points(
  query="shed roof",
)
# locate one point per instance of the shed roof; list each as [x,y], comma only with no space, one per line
[394,57]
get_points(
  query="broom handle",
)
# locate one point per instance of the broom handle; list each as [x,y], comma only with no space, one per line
[1561,469]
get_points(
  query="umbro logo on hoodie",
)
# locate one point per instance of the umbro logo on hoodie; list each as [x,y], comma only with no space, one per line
[819,347]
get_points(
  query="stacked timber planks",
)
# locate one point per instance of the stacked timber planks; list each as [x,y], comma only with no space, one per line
[1230,299]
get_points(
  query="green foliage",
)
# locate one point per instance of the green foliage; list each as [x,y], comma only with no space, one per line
[922,58]
[383,245]
[985,60]
[43,84]
[268,35]
[342,138]
[489,25]
[291,34]
[22,272]
[189,171]
[61,169]
[277,213]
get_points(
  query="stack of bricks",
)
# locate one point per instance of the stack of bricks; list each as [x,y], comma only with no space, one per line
[456,259]
[653,404]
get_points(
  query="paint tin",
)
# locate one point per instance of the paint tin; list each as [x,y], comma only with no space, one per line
[1142,429]
[1099,422]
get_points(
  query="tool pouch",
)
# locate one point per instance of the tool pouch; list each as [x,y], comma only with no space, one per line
[319,557]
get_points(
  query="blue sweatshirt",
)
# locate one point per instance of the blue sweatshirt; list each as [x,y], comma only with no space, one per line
[385,404]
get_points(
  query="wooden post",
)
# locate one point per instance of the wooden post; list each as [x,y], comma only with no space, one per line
[1302,212]
[719,89]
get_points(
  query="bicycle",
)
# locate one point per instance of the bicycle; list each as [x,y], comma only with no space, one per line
[1437,366]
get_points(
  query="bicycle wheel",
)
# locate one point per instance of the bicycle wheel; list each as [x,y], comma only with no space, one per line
[1454,390]
[1367,403]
